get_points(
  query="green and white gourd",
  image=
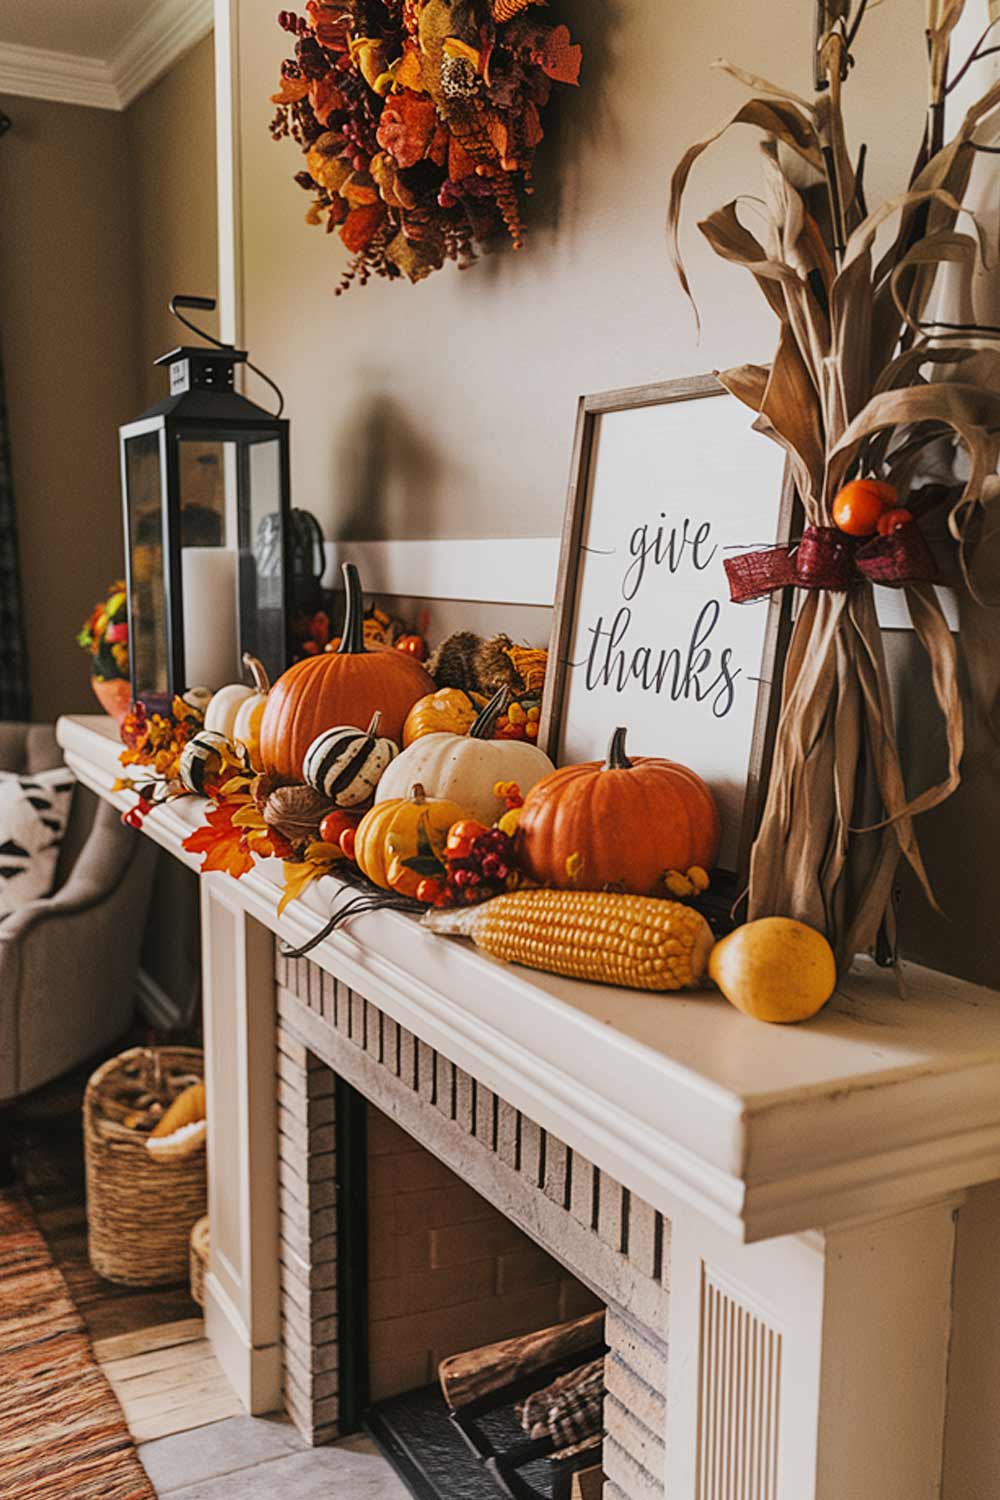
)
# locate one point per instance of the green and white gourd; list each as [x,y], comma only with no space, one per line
[346,764]
[202,758]
[464,768]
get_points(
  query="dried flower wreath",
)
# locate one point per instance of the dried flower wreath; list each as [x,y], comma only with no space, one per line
[419,120]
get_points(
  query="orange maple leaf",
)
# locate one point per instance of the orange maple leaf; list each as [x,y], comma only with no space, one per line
[221,843]
[361,225]
[291,91]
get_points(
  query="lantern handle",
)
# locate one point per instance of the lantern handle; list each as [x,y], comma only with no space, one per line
[207,304]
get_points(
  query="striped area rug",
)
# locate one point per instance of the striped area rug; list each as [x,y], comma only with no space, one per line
[62,1433]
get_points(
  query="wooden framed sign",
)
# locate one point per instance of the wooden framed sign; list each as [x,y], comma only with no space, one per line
[667,481]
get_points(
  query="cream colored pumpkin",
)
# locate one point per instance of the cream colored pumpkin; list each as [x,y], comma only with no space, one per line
[464,768]
[236,710]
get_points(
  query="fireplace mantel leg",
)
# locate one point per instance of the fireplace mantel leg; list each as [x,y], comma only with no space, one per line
[812,1367]
[241,1288]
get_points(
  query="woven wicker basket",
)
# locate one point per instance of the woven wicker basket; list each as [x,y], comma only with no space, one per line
[199,1260]
[139,1209]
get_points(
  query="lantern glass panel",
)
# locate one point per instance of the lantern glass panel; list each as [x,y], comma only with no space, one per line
[149,627]
[262,590]
[207,478]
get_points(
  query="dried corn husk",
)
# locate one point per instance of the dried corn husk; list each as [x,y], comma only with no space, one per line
[847,394]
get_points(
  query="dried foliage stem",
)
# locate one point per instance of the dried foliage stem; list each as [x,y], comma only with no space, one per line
[856,387]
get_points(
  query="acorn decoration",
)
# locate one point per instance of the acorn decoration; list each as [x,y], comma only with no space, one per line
[453,664]
[477,665]
[346,764]
[296,813]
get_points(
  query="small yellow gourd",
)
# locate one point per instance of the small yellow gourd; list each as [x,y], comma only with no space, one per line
[401,841]
[448,711]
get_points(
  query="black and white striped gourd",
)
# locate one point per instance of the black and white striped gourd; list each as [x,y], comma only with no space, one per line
[202,757]
[346,764]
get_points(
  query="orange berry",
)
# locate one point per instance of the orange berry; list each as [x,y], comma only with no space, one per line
[334,824]
[891,520]
[461,836]
[860,504]
[347,840]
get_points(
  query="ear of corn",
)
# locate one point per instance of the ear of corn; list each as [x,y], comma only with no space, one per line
[634,941]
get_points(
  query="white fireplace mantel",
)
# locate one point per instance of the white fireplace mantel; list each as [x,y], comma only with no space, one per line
[889,1098]
[813,1178]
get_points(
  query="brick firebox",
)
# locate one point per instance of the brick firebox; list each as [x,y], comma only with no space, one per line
[553,1237]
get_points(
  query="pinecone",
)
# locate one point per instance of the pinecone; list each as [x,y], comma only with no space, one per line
[296,813]
[459,79]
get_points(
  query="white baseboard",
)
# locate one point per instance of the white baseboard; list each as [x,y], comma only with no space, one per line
[253,1373]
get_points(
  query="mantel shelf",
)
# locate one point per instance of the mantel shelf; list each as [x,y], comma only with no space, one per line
[884,1101]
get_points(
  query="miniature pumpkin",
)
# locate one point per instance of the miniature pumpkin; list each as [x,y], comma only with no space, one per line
[202,758]
[467,768]
[448,711]
[346,764]
[239,706]
[621,824]
[343,687]
[401,841]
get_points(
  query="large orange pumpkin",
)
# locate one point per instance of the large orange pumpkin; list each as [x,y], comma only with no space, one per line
[621,824]
[344,687]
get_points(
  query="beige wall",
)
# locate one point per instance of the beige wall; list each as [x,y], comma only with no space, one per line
[171,146]
[172,197]
[68,331]
[447,409]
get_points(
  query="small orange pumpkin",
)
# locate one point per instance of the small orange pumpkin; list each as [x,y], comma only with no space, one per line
[344,687]
[449,711]
[620,824]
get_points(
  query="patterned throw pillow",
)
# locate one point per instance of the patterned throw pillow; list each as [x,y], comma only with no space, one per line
[34,811]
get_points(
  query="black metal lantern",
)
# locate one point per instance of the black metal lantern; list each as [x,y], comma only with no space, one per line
[205,482]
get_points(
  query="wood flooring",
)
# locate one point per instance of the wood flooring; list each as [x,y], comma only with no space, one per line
[151,1341]
[167,1379]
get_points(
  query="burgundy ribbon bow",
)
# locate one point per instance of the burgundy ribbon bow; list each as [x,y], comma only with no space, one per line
[826,558]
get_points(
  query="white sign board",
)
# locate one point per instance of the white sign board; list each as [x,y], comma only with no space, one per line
[654,642]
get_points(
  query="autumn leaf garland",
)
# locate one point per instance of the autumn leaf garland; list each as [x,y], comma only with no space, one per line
[419,121]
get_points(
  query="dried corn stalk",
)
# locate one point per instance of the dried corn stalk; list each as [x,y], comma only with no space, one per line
[849,394]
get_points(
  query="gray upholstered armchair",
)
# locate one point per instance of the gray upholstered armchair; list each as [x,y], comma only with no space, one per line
[68,962]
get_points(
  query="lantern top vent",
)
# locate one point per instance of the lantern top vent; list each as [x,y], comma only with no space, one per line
[194,368]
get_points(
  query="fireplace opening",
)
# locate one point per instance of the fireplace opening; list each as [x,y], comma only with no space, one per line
[478,1359]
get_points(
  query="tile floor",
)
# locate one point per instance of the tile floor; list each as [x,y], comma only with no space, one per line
[261,1458]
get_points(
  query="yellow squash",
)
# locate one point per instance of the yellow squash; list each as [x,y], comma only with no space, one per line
[400,842]
[775,969]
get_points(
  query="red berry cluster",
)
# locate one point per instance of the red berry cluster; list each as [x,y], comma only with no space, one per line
[480,865]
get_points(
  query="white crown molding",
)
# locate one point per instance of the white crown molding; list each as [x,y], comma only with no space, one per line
[152,48]
[63,77]
[147,52]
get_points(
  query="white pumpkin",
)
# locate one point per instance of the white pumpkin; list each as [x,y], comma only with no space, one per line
[464,768]
[237,709]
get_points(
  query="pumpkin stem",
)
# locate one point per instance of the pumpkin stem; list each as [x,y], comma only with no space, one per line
[373,727]
[417,794]
[485,721]
[352,642]
[617,759]
[258,672]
